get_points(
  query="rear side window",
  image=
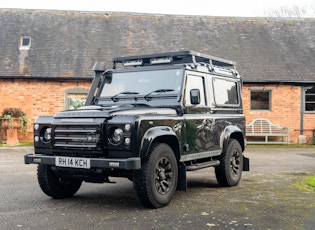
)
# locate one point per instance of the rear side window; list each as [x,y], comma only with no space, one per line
[225,92]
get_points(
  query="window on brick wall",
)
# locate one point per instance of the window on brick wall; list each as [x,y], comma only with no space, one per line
[260,99]
[310,99]
[75,98]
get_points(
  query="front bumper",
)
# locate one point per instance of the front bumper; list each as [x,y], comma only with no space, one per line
[99,163]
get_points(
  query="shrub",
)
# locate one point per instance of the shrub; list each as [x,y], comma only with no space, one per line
[15,113]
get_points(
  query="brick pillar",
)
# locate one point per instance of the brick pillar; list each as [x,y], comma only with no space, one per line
[12,137]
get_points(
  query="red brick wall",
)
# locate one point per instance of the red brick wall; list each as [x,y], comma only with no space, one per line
[309,126]
[285,109]
[36,98]
[43,97]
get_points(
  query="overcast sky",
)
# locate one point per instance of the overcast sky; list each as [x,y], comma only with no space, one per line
[243,8]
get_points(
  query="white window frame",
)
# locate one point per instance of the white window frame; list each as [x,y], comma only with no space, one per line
[74,91]
[25,47]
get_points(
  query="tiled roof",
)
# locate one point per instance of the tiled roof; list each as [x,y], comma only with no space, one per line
[68,43]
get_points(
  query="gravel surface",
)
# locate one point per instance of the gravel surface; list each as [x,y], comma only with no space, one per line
[271,196]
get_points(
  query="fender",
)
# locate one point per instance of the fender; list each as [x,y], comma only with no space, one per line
[229,132]
[152,134]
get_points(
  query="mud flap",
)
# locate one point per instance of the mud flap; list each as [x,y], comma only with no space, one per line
[182,182]
[245,164]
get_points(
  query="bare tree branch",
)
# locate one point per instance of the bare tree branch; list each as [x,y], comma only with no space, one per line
[292,11]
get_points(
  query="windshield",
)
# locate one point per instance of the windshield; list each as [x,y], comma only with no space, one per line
[136,84]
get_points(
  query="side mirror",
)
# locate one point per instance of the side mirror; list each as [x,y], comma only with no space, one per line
[195,96]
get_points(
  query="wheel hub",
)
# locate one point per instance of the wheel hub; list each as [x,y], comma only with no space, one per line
[163,176]
[235,163]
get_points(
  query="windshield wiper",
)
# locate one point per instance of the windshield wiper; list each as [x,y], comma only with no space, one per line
[148,97]
[115,97]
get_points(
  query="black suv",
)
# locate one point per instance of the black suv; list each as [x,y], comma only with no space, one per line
[150,118]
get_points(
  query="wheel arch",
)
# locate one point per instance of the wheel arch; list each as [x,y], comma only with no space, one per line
[232,132]
[161,134]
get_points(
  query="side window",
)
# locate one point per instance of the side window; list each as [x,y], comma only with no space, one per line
[225,92]
[195,82]
[310,99]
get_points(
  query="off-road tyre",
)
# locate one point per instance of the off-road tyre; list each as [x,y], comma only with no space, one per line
[229,172]
[155,183]
[54,186]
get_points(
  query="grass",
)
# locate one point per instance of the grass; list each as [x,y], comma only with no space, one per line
[307,183]
[28,143]
[310,181]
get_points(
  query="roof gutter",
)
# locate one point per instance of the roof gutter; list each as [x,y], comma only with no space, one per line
[284,82]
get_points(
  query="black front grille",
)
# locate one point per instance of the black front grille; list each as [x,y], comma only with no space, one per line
[77,136]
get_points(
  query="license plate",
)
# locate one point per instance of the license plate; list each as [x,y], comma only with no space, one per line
[73,162]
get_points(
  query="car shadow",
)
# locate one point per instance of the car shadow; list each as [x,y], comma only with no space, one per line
[121,194]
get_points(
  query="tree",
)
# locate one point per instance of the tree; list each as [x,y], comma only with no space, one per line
[292,11]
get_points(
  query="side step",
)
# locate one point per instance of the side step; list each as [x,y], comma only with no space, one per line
[202,165]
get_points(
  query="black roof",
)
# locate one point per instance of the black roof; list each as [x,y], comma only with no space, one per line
[68,43]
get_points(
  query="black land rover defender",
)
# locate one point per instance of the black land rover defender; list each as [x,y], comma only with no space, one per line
[150,118]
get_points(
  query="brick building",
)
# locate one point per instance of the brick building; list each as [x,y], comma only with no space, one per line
[47,56]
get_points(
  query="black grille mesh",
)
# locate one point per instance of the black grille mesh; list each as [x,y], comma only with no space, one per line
[76,136]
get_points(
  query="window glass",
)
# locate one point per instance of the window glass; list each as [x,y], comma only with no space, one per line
[260,100]
[310,99]
[75,99]
[143,82]
[25,42]
[225,92]
[195,82]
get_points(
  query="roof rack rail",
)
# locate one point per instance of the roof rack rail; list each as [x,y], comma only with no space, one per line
[179,57]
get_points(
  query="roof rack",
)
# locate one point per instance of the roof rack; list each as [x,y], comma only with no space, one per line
[180,57]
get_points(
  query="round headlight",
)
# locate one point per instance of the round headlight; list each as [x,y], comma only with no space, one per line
[116,136]
[45,134]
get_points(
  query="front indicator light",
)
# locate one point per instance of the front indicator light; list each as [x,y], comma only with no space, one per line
[127,141]
[36,126]
[127,127]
